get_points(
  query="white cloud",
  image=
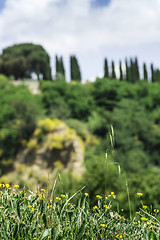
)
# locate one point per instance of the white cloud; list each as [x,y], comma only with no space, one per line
[72,26]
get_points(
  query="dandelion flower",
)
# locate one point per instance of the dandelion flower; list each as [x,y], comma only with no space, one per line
[95,207]
[139,194]
[63,195]
[43,190]
[144,206]
[16,186]
[103,225]
[143,219]
[86,194]
[98,196]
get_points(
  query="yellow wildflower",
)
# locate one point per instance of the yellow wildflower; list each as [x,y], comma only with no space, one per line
[144,206]
[156,210]
[7,185]
[43,190]
[103,225]
[57,198]
[139,194]
[95,207]
[86,194]
[63,195]
[98,196]
[16,186]
[143,219]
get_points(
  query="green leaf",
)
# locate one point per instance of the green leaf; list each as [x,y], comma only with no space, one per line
[45,234]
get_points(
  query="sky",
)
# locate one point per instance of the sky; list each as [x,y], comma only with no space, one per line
[90,29]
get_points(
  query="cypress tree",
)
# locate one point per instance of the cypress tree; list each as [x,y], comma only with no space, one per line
[60,71]
[152,73]
[127,70]
[136,69]
[57,65]
[120,71]
[132,71]
[75,70]
[113,71]
[106,71]
[145,74]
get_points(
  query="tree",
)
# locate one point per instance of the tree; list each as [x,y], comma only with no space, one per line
[106,72]
[60,71]
[136,69]
[113,71]
[120,70]
[127,70]
[145,74]
[75,70]
[152,73]
[22,60]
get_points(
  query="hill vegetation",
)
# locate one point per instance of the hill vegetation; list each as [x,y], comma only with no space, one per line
[130,105]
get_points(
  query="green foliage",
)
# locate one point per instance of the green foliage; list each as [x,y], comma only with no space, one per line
[75,70]
[106,70]
[24,59]
[60,71]
[64,100]
[145,73]
[17,120]
[113,74]
[41,215]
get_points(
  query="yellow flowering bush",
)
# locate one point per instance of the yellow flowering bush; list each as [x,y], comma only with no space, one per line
[47,124]
[32,144]
[37,132]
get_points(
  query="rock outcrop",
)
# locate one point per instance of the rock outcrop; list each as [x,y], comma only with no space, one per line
[53,145]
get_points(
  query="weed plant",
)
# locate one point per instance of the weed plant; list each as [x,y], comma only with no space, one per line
[41,215]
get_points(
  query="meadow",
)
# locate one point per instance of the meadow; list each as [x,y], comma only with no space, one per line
[43,215]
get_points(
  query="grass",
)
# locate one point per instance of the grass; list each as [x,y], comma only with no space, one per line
[27,215]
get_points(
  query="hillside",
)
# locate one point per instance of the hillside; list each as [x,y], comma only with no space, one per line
[90,109]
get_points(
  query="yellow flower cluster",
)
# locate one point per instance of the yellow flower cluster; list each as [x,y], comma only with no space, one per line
[103,225]
[37,132]
[2,185]
[47,124]
[98,196]
[43,190]
[156,210]
[58,198]
[108,206]
[139,194]
[119,236]
[95,207]
[144,206]
[32,144]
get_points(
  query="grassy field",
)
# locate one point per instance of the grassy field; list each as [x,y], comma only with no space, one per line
[43,215]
